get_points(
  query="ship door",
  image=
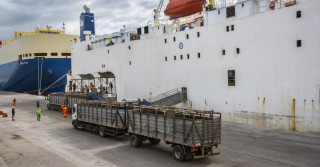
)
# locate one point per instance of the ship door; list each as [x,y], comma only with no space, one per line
[108,85]
[19,58]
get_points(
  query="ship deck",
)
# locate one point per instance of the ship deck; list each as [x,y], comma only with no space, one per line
[54,142]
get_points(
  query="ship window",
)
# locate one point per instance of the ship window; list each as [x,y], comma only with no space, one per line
[129,47]
[139,31]
[231,11]
[198,55]
[175,57]
[218,11]
[174,39]
[227,28]
[164,30]
[166,58]
[165,40]
[181,57]
[232,27]
[40,54]
[223,52]
[130,63]
[54,54]
[198,34]
[146,30]
[29,54]
[238,50]
[298,14]
[65,54]
[187,36]
[20,57]
[299,43]
[242,5]
[108,51]
[231,78]
[188,56]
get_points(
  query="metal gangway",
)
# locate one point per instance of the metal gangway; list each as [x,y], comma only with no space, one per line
[170,98]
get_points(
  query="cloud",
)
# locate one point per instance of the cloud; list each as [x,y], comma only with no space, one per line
[110,15]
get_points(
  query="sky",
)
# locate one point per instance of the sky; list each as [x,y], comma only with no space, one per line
[110,15]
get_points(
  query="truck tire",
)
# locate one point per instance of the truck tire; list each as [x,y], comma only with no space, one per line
[154,141]
[102,132]
[135,140]
[178,153]
[75,124]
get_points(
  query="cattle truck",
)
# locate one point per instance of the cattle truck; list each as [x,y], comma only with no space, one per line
[192,134]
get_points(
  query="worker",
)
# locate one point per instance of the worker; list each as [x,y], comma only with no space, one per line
[91,86]
[38,104]
[14,101]
[62,105]
[74,87]
[65,111]
[38,114]
[111,85]
[87,88]
[13,113]
[70,86]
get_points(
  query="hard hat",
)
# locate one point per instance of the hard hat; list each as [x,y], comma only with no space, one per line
[12,106]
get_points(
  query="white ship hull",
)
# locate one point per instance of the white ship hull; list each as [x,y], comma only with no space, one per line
[277,83]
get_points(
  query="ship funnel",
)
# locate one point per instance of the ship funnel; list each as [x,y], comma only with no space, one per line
[86,23]
[86,8]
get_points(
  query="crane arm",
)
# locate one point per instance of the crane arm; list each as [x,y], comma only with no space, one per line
[158,10]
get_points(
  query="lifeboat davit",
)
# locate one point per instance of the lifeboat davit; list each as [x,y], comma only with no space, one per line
[181,8]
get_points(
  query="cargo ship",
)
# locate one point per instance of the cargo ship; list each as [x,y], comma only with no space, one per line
[255,61]
[36,62]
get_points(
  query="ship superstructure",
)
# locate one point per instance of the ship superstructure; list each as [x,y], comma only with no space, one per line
[255,61]
[36,62]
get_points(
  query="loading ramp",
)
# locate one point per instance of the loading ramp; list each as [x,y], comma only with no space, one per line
[171,97]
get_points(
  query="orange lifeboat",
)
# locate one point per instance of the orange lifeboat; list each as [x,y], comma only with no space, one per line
[181,8]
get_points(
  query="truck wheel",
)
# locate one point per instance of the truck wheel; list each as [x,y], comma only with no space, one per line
[102,132]
[154,141]
[178,153]
[75,125]
[135,140]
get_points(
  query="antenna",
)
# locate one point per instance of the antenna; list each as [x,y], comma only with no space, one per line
[63,28]
[86,8]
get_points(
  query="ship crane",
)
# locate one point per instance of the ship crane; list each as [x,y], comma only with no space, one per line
[157,11]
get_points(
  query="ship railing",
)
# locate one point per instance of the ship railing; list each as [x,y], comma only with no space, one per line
[266,6]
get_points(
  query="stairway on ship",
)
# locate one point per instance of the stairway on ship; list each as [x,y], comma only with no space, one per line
[171,97]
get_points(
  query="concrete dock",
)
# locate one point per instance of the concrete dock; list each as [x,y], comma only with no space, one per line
[53,142]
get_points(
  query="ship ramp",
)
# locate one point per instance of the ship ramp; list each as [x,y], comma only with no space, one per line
[171,97]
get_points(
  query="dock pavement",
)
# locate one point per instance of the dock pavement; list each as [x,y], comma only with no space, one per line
[53,142]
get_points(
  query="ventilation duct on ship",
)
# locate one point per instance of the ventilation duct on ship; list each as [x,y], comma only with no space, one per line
[86,8]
